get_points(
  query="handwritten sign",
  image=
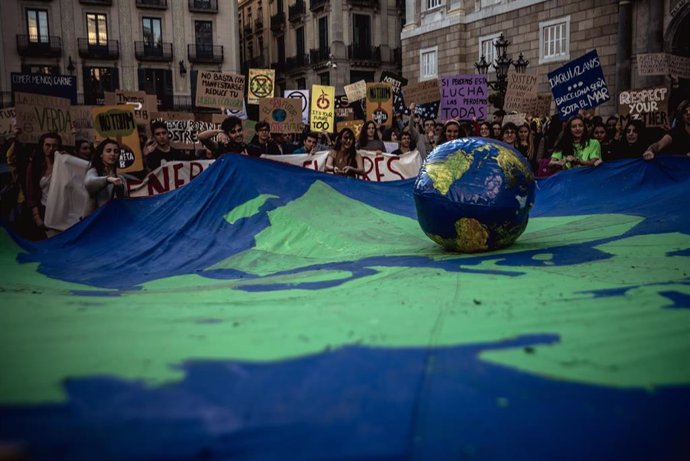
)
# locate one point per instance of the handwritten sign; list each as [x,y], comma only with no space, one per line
[380,103]
[464,97]
[579,85]
[423,92]
[7,119]
[219,90]
[397,82]
[82,121]
[61,86]
[144,104]
[521,93]
[679,66]
[322,108]
[652,64]
[261,84]
[543,106]
[37,114]
[118,122]
[356,91]
[284,115]
[354,125]
[303,97]
[649,105]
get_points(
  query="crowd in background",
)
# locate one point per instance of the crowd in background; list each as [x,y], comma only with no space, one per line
[549,144]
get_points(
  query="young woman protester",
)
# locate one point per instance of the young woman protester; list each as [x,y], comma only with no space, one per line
[451,130]
[102,181]
[369,138]
[575,147]
[526,145]
[633,143]
[343,159]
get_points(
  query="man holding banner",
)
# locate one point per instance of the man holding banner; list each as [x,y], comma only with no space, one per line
[676,142]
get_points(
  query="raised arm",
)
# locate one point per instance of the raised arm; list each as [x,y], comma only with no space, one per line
[657,147]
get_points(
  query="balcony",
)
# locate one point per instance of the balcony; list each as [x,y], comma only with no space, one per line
[364,4]
[366,56]
[315,5]
[294,63]
[200,53]
[153,4]
[203,6]
[258,25]
[144,51]
[296,11]
[97,2]
[256,62]
[47,47]
[278,22]
[280,66]
[248,29]
[319,57]
[107,50]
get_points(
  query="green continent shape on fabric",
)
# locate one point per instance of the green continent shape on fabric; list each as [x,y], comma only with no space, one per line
[443,174]
[248,209]
[509,163]
[627,340]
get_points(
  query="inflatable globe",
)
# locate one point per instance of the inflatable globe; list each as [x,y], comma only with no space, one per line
[474,195]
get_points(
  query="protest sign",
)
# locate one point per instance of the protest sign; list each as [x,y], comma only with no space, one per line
[344,110]
[649,105]
[8,118]
[284,115]
[303,97]
[61,86]
[322,108]
[239,113]
[261,84]
[578,85]
[37,114]
[182,128]
[679,66]
[354,125]
[517,119]
[118,122]
[521,93]
[144,104]
[82,121]
[249,130]
[542,108]
[397,82]
[356,91]
[219,90]
[464,97]
[652,64]
[380,103]
[423,92]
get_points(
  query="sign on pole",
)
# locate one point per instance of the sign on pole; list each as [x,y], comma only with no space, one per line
[322,108]
[219,90]
[464,97]
[118,122]
[261,84]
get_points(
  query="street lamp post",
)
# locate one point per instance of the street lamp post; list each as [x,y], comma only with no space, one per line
[501,64]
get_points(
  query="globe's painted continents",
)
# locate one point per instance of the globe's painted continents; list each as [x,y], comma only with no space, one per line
[474,194]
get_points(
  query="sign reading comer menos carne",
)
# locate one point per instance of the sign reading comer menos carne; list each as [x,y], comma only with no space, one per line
[579,85]
[219,90]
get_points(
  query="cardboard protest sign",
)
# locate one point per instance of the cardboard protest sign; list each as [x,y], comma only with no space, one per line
[464,97]
[284,115]
[679,66]
[424,92]
[517,119]
[649,105]
[542,108]
[354,125]
[82,121]
[322,115]
[239,113]
[652,64]
[37,114]
[261,84]
[61,86]
[521,93]
[397,82]
[578,85]
[356,91]
[182,128]
[380,103]
[344,110]
[144,105]
[303,97]
[8,118]
[118,122]
[219,90]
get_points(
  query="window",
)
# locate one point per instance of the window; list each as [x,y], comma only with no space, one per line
[96,29]
[301,84]
[325,78]
[487,48]
[428,63]
[299,41]
[554,40]
[98,80]
[431,4]
[487,3]
[323,32]
[37,26]
[203,36]
[280,44]
[361,31]
[153,35]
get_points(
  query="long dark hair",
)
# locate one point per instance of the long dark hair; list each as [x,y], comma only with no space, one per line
[461,131]
[565,143]
[97,161]
[363,138]
[352,151]
[38,159]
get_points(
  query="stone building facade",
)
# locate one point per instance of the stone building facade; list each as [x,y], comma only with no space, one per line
[443,37]
[153,45]
[320,41]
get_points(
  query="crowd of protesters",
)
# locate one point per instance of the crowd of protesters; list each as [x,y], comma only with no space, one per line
[549,144]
